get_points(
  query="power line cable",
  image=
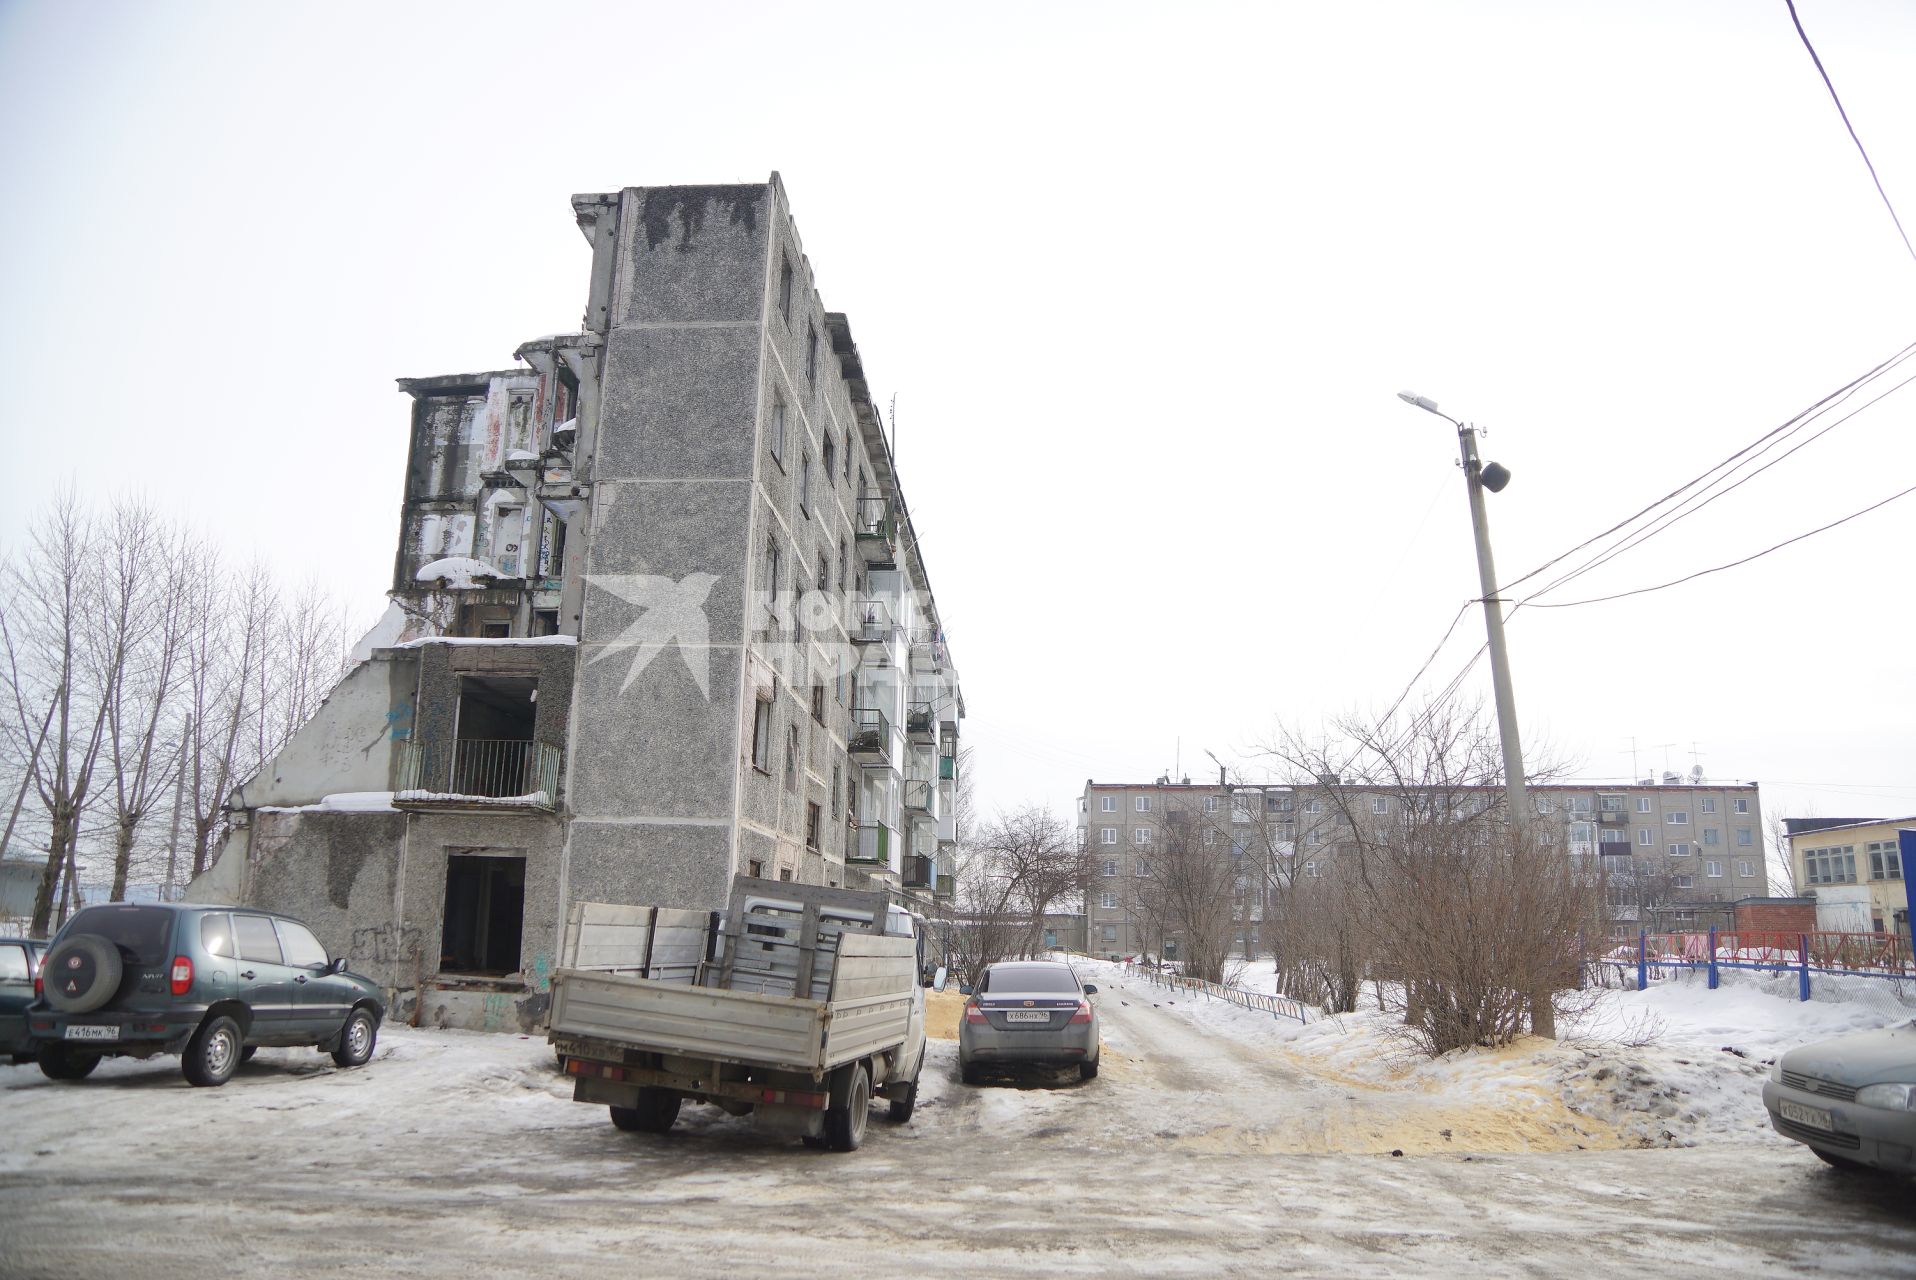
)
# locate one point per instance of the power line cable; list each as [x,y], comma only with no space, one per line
[1572,604]
[1786,427]
[1860,149]
[1703,498]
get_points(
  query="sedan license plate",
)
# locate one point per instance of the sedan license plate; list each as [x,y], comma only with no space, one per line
[1027,1015]
[91,1031]
[1810,1116]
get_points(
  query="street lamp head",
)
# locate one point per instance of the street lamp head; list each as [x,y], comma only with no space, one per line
[1422,402]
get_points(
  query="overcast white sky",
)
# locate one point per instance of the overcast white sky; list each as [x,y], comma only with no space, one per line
[1145,280]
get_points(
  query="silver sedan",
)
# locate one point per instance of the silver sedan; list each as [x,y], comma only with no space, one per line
[1851,1100]
[1028,1012]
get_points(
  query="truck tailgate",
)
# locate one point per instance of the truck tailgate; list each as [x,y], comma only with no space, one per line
[693,1022]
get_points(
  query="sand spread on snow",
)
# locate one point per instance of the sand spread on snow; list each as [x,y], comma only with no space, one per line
[942,1011]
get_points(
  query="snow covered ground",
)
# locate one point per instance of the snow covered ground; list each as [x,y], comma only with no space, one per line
[1214,1142]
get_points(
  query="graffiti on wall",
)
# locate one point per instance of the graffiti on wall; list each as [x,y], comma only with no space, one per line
[385,944]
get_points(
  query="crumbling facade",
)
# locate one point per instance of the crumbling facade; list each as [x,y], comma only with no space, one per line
[659,617]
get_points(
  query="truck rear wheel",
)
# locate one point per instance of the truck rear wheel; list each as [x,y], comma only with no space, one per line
[656,1112]
[845,1126]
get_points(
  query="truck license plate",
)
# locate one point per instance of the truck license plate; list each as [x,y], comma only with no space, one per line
[1810,1116]
[1027,1015]
[91,1031]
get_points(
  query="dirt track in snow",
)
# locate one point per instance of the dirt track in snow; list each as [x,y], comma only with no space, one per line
[456,1154]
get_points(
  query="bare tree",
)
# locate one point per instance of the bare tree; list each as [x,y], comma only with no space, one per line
[1016,868]
[1456,914]
[1780,865]
[226,647]
[53,705]
[138,656]
[1196,887]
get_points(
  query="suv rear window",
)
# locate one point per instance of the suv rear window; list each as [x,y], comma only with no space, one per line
[140,932]
[1030,977]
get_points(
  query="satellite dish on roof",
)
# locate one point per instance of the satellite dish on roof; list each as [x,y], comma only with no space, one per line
[1696,773]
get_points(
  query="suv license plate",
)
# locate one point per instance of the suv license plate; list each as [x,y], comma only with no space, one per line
[1810,1116]
[91,1031]
[1027,1015]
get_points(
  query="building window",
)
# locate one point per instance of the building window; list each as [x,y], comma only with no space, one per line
[848,455]
[1831,866]
[1676,818]
[1210,804]
[1380,804]
[1141,835]
[1705,804]
[811,353]
[805,485]
[1310,869]
[1713,868]
[1109,867]
[818,701]
[755,869]
[1744,867]
[1743,837]
[1684,882]
[484,922]
[762,736]
[791,758]
[1109,932]
[1710,835]
[1643,804]
[1210,836]
[836,793]
[811,825]
[824,572]
[1742,806]
[1277,804]
[778,432]
[1610,804]
[1142,868]
[1885,860]
[1643,836]
[1107,835]
[851,795]
[1543,805]
[1578,804]
[1107,804]
[828,457]
[785,290]
[1109,901]
[1679,851]
[1143,804]
[1312,806]
[771,567]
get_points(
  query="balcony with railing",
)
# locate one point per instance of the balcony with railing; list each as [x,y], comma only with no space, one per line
[873,846]
[875,530]
[872,620]
[948,767]
[921,723]
[946,886]
[927,648]
[477,773]
[919,873]
[870,740]
[921,799]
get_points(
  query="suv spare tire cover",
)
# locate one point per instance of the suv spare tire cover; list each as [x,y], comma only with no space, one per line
[81,973]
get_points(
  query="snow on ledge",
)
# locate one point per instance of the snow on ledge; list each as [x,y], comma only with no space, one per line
[492,640]
[340,802]
[459,572]
[536,799]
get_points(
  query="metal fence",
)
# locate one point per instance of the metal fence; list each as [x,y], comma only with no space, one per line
[1276,1006]
[479,767]
[1861,955]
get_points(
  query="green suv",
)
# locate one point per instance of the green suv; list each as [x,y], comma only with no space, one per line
[211,984]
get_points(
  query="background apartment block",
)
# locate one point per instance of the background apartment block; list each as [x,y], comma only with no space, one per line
[659,617]
[1675,844]
[1853,869]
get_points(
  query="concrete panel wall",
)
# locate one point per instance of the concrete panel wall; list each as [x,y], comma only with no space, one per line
[347,745]
[337,873]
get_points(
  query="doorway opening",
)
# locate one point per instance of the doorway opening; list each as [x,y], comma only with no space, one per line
[485,914]
[494,755]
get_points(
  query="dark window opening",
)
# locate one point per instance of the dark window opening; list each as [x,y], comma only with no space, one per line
[495,630]
[493,754]
[755,869]
[811,353]
[545,622]
[811,826]
[762,736]
[485,914]
[785,290]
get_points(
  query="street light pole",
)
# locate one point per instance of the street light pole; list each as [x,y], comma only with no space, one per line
[1477,477]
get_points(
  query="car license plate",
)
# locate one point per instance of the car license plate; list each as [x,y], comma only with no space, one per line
[1810,1116]
[91,1031]
[1027,1015]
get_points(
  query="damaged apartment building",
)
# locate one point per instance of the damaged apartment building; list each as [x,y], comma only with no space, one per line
[659,617]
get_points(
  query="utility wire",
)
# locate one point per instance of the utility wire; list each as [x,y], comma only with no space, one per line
[1861,150]
[1704,497]
[1572,604]
[1786,427]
